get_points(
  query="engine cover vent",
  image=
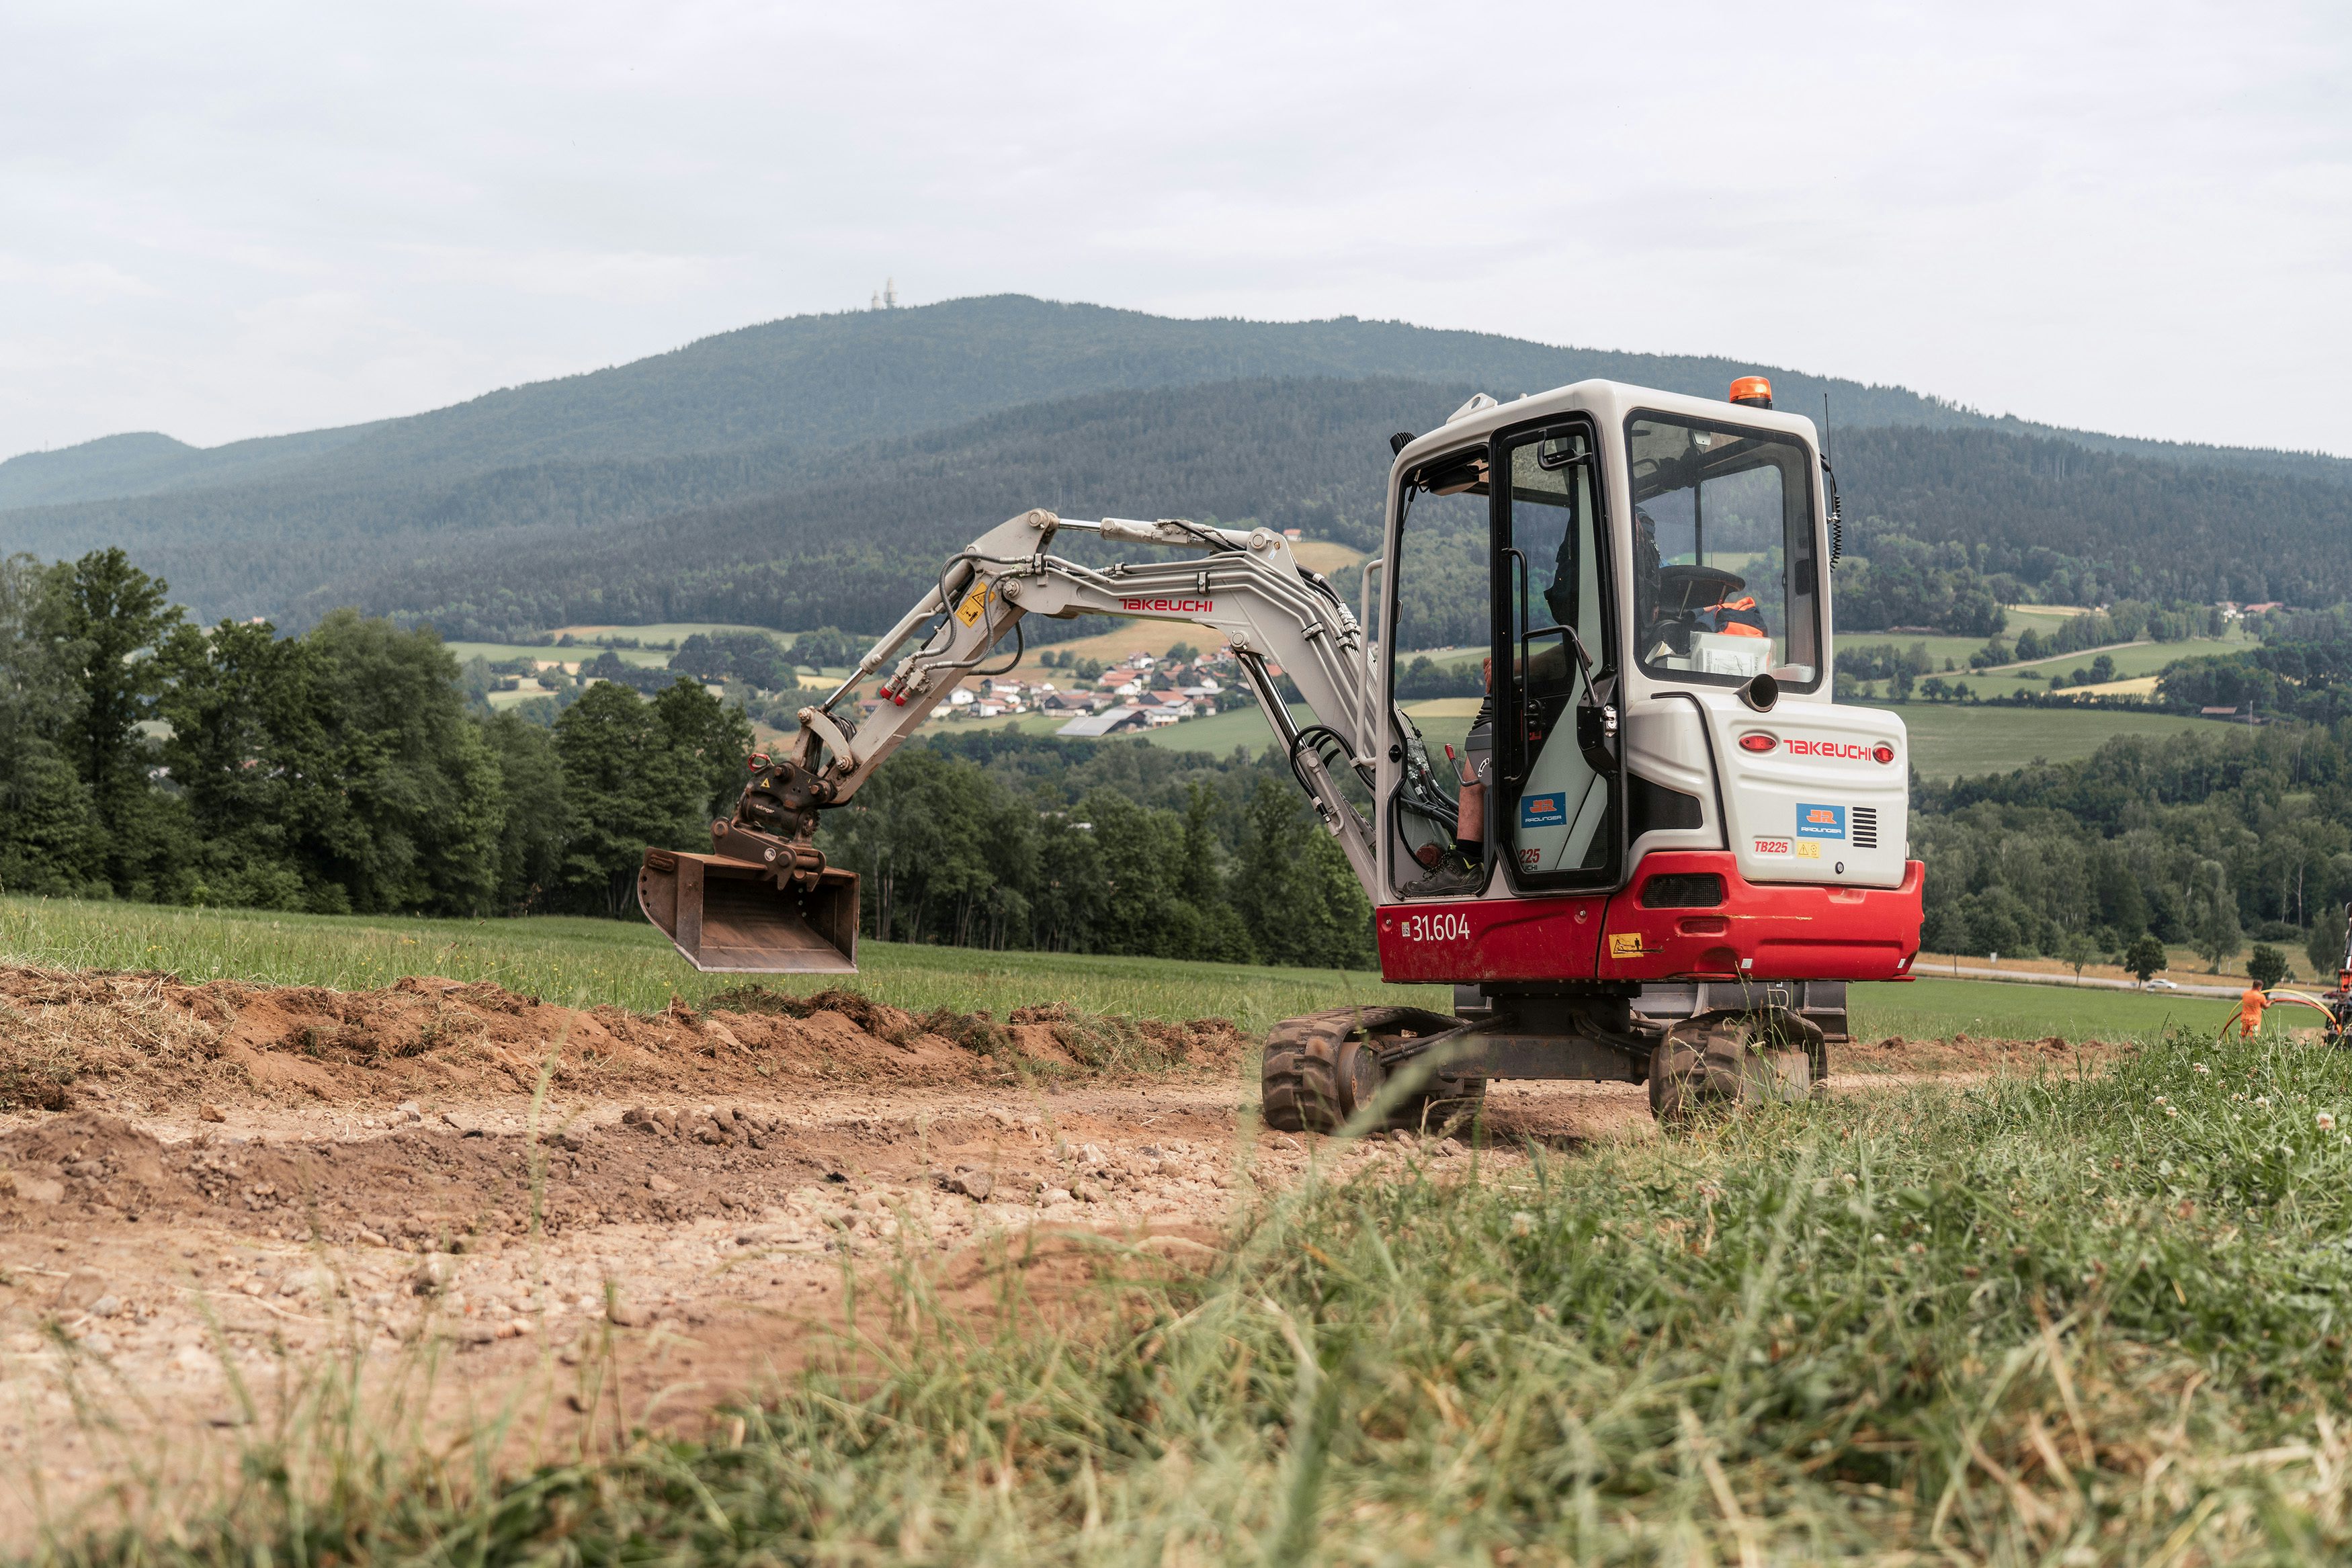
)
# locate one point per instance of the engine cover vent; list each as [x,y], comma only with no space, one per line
[1866,827]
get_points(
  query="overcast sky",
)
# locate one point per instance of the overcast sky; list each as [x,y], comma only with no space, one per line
[234,219]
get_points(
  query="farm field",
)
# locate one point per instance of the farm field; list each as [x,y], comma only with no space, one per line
[2134,662]
[1949,739]
[1932,1008]
[580,962]
[499,653]
[648,658]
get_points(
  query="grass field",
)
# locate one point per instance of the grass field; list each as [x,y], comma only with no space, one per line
[2057,1320]
[1948,740]
[650,658]
[1937,1009]
[2133,662]
[629,964]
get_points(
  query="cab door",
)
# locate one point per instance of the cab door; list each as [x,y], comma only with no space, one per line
[1561,795]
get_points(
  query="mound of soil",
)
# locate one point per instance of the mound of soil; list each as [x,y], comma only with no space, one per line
[434,1186]
[1966,1053]
[170,1043]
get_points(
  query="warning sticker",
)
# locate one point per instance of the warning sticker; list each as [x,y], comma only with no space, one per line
[974,606]
[1624,945]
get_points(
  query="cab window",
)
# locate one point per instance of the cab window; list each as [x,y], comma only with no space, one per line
[1726,579]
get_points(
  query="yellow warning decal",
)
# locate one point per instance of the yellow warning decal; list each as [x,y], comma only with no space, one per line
[1625,944]
[974,605]
[1808,851]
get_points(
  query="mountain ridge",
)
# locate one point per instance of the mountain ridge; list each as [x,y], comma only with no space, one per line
[922,365]
[285,526]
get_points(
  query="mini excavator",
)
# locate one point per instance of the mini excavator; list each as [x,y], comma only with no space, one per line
[1658,851]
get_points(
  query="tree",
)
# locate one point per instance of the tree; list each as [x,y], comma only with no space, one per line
[933,837]
[2145,957]
[46,840]
[2076,949]
[709,738]
[1298,905]
[534,822]
[750,657]
[2325,946]
[1218,935]
[419,811]
[2266,967]
[626,788]
[248,753]
[2213,913]
[110,613]
[827,647]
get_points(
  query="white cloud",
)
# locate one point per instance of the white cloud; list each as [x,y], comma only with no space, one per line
[261,217]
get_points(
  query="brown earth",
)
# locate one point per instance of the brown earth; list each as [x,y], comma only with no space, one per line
[584,1221]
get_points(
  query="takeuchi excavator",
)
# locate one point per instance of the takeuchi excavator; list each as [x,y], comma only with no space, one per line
[1656,851]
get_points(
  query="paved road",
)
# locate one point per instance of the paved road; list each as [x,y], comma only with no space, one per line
[1935,970]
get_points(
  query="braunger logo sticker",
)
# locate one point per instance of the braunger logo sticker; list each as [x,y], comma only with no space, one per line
[1543,811]
[1821,822]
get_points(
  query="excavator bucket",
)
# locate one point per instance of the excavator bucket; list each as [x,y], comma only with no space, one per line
[727,917]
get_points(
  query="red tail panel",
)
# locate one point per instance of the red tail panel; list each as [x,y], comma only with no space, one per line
[1778,931]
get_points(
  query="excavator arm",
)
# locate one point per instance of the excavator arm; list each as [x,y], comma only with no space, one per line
[764,900]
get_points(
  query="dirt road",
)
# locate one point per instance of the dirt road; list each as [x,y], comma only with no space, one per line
[471,1202]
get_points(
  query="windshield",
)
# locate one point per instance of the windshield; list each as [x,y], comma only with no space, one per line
[1725,579]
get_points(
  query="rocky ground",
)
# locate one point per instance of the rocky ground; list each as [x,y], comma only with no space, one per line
[472,1206]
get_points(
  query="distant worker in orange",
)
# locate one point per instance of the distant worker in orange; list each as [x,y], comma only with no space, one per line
[2251,1003]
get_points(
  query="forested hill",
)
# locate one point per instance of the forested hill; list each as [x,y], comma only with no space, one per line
[851,538]
[2146,529]
[747,436]
[828,381]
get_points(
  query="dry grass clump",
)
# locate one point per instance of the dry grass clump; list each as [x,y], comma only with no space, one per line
[128,1031]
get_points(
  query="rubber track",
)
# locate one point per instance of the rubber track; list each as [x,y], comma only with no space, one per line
[1299,1085]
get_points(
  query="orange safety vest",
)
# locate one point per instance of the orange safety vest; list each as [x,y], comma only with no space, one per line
[1739,628]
